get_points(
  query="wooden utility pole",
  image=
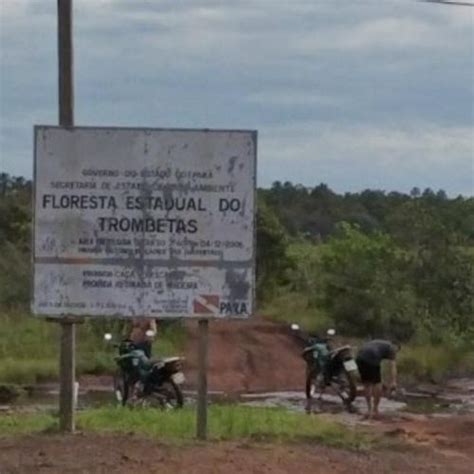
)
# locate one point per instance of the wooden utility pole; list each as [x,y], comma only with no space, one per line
[201,424]
[66,119]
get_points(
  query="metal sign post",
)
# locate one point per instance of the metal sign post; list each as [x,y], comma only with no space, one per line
[66,119]
[201,424]
[67,377]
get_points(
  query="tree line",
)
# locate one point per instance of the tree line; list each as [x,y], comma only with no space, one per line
[381,264]
[376,263]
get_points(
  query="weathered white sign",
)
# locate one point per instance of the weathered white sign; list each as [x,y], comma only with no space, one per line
[144,222]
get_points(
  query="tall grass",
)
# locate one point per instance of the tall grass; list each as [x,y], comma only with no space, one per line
[419,360]
[29,347]
[25,424]
[435,362]
[225,423]
[295,307]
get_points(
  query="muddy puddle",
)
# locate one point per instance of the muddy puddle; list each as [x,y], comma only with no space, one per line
[455,397]
[48,399]
[409,403]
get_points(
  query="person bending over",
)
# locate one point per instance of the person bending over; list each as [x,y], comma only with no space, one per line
[369,360]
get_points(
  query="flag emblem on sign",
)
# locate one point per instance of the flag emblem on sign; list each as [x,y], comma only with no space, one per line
[206,304]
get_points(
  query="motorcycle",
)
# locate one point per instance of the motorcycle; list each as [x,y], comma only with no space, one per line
[141,381]
[328,367]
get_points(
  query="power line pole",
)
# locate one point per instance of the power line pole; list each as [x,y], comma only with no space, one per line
[66,119]
[201,424]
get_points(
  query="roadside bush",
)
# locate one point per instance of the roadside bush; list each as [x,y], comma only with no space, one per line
[362,285]
[273,261]
[15,276]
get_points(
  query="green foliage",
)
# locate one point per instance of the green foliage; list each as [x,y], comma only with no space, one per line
[381,264]
[297,307]
[29,347]
[15,211]
[435,362]
[272,257]
[363,285]
[225,423]
[15,231]
[374,263]
[15,275]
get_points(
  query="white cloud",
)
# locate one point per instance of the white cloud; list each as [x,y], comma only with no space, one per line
[460,17]
[294,97]
[377,35]
[439,144]
[331,85]
[420,154]
[9,8]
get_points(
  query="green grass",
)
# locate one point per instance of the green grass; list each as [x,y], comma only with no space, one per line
[296,304]
[27,371]
[292,307]
[434,362]
[228,422]
[26,424]
[29,347]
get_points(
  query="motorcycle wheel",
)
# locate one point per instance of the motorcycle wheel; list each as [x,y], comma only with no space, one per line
[347,388]
[121,388]
[169,396]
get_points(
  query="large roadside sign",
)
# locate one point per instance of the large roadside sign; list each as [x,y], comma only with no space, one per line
[144,222]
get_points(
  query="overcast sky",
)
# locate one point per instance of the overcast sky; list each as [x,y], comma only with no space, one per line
[357,94]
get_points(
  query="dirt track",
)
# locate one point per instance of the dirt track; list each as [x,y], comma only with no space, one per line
[125,454]
[248,356]
[253,356]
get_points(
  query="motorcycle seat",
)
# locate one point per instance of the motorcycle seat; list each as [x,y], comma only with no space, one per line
[339,349]
[167,360]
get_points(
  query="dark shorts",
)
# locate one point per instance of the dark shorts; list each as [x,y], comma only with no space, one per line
[369,374]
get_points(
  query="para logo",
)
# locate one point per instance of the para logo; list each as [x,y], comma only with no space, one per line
[229,308]
[206,304]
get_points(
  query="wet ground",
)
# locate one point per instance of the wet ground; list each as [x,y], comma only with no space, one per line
[439,442]
[252,351]
[435,422]
[454,397]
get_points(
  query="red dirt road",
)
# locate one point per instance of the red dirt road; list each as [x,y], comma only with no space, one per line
[451,436]
[94,454]
[248,356]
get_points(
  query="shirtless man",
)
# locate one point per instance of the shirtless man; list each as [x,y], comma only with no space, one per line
[138,335]
[369,360]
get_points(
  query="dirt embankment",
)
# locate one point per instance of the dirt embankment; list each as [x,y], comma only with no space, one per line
[246,356]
